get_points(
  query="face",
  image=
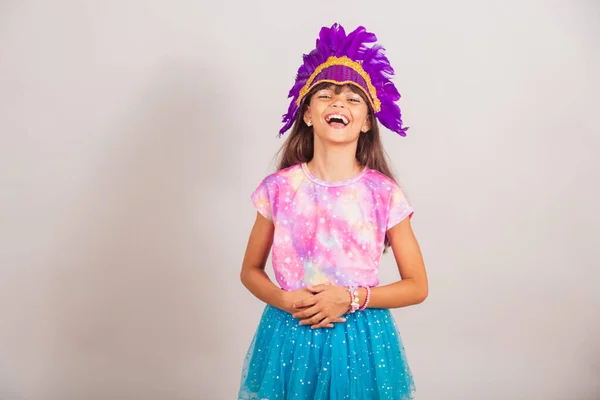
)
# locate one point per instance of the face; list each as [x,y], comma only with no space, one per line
[338,117]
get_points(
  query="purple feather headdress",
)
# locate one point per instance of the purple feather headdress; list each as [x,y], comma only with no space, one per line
[346,59]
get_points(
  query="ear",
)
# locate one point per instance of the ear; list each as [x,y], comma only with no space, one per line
[367,125]
[307,116]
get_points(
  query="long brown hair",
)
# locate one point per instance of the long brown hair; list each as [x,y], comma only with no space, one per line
[299,146]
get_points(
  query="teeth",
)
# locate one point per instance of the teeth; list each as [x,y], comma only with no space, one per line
[343,118]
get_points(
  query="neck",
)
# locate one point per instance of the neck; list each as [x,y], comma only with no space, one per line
[334,163]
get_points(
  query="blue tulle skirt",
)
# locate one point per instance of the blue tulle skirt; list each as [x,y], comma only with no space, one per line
[362,358]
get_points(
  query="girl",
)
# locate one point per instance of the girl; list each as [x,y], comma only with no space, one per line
[328,214]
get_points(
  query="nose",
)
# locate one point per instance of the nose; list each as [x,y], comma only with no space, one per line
[338,103]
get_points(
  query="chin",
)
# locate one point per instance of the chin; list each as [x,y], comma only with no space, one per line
[338,136]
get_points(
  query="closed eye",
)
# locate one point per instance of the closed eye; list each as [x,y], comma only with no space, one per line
[354,100]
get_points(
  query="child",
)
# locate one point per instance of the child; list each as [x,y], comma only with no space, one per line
[328,214]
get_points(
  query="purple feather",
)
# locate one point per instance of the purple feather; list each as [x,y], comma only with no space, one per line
[359,45]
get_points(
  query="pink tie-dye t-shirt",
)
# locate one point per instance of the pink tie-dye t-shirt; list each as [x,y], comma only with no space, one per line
[329,231]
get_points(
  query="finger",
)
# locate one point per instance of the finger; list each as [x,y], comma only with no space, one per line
[322,324]
[307,313]
[319,288]
[315,319]
[332,321]
[305,303]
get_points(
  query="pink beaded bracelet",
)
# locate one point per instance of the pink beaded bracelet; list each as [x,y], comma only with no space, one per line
[366,299]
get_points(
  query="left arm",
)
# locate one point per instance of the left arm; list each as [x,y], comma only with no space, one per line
[413,288]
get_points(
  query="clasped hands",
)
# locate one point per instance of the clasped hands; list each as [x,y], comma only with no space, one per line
[319,306]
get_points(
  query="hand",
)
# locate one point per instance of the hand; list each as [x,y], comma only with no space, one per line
[289,298]
[327,305]
[296,297]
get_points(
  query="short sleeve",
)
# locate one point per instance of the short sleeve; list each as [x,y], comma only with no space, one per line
[399,207]
[262,200]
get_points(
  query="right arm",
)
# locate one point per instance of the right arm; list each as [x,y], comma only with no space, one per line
[253,274]
[256,280]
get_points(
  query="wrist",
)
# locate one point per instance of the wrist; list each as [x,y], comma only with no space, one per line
[344,299]
[362,296]
[282,300]
[353,295]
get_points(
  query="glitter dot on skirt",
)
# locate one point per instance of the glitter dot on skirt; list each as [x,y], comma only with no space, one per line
[362,358]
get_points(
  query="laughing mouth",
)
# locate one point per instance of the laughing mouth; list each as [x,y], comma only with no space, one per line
[336,120]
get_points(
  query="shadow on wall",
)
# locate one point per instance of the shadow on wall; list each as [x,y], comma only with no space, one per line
[131,294]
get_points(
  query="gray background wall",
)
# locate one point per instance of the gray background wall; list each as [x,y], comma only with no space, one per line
[132,133]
